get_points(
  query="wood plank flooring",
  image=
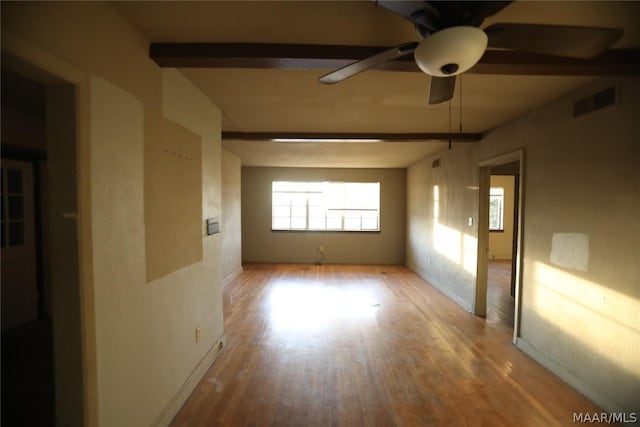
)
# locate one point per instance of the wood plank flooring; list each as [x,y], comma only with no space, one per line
[329,345]
[500,303]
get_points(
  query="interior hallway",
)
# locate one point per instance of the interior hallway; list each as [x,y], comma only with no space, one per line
[367,345]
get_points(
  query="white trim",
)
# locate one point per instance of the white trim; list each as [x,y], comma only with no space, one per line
[178,399]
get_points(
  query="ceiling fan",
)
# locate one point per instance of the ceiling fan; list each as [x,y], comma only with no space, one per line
[452,42]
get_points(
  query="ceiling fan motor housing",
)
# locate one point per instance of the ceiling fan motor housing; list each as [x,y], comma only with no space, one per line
[451,51]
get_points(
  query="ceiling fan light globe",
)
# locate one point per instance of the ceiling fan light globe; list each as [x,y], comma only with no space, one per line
[459,46]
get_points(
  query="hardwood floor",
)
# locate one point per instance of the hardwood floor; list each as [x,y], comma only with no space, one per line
[500,303]
[325,345]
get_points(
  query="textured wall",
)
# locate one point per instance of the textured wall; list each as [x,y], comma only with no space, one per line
[580,312]
[139,344]
[231,226]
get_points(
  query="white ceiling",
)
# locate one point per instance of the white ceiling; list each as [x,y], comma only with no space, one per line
[270,100]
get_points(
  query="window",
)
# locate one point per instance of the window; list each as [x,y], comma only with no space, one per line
[496,209]
[325,206]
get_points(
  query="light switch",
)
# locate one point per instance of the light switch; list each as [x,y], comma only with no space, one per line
[470,221]
[213,226]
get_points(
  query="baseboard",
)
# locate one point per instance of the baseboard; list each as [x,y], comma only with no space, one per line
[232,276]
[446,291]
[174,405]
[561,372]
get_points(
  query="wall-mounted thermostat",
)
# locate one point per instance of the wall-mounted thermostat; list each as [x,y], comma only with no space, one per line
[213,226]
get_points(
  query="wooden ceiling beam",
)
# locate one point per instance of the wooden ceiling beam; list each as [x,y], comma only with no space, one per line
[329,57]
[266,55]
[351,137]
[611,62]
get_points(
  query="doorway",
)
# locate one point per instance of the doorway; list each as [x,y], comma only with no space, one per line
[498,281]
[503,217]
[41,329]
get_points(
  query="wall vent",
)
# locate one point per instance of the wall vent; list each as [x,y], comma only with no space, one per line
[597,101]
[435,164]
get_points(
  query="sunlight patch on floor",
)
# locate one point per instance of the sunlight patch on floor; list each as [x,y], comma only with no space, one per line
[303,307]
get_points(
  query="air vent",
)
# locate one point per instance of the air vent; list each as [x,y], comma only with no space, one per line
[595,102]
[435,164]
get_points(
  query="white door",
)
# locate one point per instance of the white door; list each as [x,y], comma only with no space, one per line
[19,289]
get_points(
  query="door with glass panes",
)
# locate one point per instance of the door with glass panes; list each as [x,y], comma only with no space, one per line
[19,289]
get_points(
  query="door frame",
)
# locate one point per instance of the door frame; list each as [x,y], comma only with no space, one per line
[480,302]
[74,372]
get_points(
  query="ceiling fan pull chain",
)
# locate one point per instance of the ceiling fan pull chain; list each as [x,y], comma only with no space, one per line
[460,106]
[449,124]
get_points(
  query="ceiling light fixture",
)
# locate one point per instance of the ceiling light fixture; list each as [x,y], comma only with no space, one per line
[451,51]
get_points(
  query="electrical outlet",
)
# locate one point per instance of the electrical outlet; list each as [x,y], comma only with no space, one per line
[198,333]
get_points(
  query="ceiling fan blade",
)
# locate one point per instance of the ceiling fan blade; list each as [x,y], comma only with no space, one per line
[560,40]
[421,13]
[364,64]
[441,89]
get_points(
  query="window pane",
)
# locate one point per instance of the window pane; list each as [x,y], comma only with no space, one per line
[281,223]
[299,223]
[316,199]
[14,181]
[317,211]
[281,199]
[16,233]
[299,211]
[16,207]
[316,223]
[281,211]
[496,191]
[334,223]
[369,224]
[351,223]
[298,199]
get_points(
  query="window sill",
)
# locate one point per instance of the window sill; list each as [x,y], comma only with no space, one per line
[328,231]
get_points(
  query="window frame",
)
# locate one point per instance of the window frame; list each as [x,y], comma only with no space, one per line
[501,196]
[344,208]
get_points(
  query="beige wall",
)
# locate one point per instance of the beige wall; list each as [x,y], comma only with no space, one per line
[140,356]
[441,246]
[581,286]
[501,243]
[231,221]
[260,244]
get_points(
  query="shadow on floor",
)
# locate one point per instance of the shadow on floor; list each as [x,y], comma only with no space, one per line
[27,375]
